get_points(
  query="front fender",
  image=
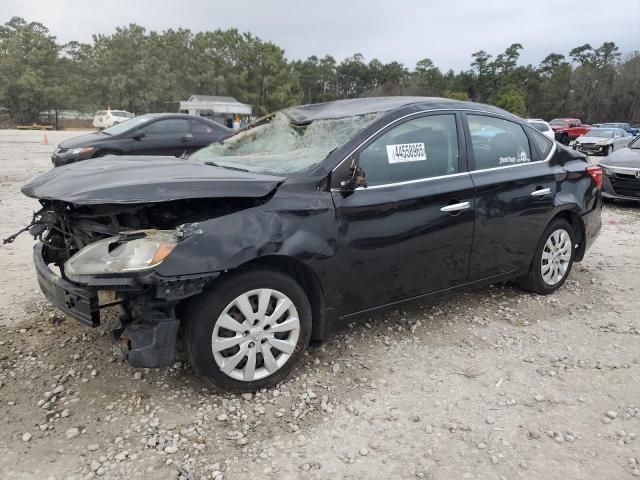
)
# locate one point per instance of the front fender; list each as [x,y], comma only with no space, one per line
[223,243]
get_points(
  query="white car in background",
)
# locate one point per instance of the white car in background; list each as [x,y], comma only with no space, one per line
[542,126]
[109,118]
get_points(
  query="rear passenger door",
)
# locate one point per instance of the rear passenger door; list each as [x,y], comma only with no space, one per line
[514,192]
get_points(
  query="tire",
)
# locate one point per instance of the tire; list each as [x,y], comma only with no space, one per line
[609,150]
[540,279]
[564,139]
[215,318]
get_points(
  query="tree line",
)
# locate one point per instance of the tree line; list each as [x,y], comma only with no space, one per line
[147,71]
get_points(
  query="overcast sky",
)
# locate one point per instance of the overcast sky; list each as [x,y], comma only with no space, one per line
[446,31]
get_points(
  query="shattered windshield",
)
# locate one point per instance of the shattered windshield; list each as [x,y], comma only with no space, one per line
[279,147]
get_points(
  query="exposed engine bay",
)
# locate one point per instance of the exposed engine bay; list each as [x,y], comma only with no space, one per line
[146,328]
[66,228]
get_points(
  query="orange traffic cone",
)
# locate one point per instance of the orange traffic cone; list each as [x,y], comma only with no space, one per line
[45,140]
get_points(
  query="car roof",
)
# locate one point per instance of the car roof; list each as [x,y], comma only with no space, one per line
[363,106]
[171,115]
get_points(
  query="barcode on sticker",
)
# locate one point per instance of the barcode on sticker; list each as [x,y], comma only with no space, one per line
[406,152]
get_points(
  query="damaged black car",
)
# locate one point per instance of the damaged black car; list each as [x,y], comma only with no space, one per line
[308,218]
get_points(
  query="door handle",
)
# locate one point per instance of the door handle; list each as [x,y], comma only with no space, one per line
[187,138]
[541,192]
[456,207]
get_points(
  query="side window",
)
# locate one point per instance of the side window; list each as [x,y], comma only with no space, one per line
[543,143]
[497,142]
[200,127]
[419,148]
[171,126]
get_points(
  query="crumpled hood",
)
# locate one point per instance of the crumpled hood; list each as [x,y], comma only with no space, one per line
[144,179]
[625,157]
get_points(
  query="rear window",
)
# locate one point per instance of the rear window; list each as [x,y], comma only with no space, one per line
[543,143]
[541,127]
[201,127]
[497,142]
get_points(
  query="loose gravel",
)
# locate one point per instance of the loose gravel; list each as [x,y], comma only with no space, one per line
[489,384]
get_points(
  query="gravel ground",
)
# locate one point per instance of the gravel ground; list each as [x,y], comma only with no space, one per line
[491,384]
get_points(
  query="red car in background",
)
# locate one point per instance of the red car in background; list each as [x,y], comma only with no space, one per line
[568,129]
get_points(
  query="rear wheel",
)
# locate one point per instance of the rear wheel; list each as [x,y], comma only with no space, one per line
[249,331]
[552,260]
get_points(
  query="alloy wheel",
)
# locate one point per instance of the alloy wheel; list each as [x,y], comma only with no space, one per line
[556,257]
[255,334]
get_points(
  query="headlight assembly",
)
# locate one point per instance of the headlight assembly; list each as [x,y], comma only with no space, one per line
[78,151]
[131,252]
[606,171]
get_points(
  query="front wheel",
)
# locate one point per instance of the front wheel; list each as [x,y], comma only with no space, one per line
[609,150]
[552,260]
[249,331]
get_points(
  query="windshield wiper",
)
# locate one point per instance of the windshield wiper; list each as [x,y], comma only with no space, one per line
[226,166]
[104,133]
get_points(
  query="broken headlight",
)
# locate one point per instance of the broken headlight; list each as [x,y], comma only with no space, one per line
[131,252]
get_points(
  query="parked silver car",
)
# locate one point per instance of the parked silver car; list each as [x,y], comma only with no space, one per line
[602,141]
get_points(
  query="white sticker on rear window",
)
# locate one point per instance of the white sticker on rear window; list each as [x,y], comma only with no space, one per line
[406,152]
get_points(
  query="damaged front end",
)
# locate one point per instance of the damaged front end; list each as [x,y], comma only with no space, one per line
[89,258]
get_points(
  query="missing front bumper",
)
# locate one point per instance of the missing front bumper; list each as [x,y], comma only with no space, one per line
[149,342]
[77,302]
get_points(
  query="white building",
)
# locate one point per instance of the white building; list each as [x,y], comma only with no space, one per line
[215,107]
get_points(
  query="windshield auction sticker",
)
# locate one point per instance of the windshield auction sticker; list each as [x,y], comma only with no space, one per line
[406,152]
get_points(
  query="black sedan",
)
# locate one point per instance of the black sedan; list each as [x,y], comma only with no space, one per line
[152,134]
[305,220]
[622,173]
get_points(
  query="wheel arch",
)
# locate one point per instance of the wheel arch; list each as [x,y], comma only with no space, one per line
[577,223]
[308,280]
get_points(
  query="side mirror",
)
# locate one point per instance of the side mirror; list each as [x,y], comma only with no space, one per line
[138,134]
[357,176]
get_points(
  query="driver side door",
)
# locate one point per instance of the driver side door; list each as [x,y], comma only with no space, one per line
[409,232]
